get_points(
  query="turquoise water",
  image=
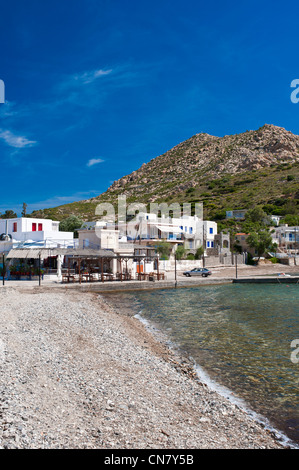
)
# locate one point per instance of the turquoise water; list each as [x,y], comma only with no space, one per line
[241,336]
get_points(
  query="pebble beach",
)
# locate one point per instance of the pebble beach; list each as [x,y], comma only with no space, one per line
[76,373]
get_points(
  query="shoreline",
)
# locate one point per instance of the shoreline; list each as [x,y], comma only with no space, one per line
[196,371]
[264,273]
[75,373]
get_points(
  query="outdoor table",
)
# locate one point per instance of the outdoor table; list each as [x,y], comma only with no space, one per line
[68,278]
[144,276]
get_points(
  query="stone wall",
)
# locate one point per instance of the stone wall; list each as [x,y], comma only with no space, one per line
[289,261]
[182,265]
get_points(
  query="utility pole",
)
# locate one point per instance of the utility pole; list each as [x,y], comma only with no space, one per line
[295,260]
[3,270]
[203,244]
[175,284]
[236,258]
[39,264]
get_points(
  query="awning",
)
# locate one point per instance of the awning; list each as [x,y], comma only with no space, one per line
[85,253]
[169,228]
[29,253]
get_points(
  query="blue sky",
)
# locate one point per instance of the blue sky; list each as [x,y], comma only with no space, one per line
[95,88]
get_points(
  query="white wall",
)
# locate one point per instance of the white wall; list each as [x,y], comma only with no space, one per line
[181,265]
[24,229]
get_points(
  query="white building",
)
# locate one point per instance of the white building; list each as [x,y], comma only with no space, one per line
[190,231]
[275,219]
[41,231]
[210,230]
[148,229]
[238,214]
[286,237]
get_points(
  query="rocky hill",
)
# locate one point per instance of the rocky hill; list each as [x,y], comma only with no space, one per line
[234,171]
[204,156]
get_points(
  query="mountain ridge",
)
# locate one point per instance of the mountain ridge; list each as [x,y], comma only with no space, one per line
[213,156]
[194,165]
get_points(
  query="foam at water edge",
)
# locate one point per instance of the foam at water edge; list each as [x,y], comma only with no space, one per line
[229,395]
[222,390]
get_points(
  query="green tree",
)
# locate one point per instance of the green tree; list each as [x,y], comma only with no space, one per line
[9,214]
[290,207]
[164,249]
[257,216]
[261,241]
[290,219]
[199,252]
[71,224]
[24,211]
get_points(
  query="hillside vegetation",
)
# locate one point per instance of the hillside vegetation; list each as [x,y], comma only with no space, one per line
[255,168]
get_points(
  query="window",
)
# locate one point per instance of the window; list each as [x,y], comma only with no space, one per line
[40,227]
[211,229]
[34,227]
[212,244]
[190,229]
[15,227]
[208,244]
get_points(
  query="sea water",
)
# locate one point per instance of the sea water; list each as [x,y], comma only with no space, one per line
[240,336]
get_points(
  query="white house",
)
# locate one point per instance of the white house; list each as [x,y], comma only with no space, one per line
[34,230]
[210,230]
[24,239]
[286,237]
[238,214]
[275,219]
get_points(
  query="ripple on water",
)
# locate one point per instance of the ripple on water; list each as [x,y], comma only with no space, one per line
[241,336]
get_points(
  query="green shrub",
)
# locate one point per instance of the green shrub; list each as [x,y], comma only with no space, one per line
[180,252]
[199,253]
[220,215]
